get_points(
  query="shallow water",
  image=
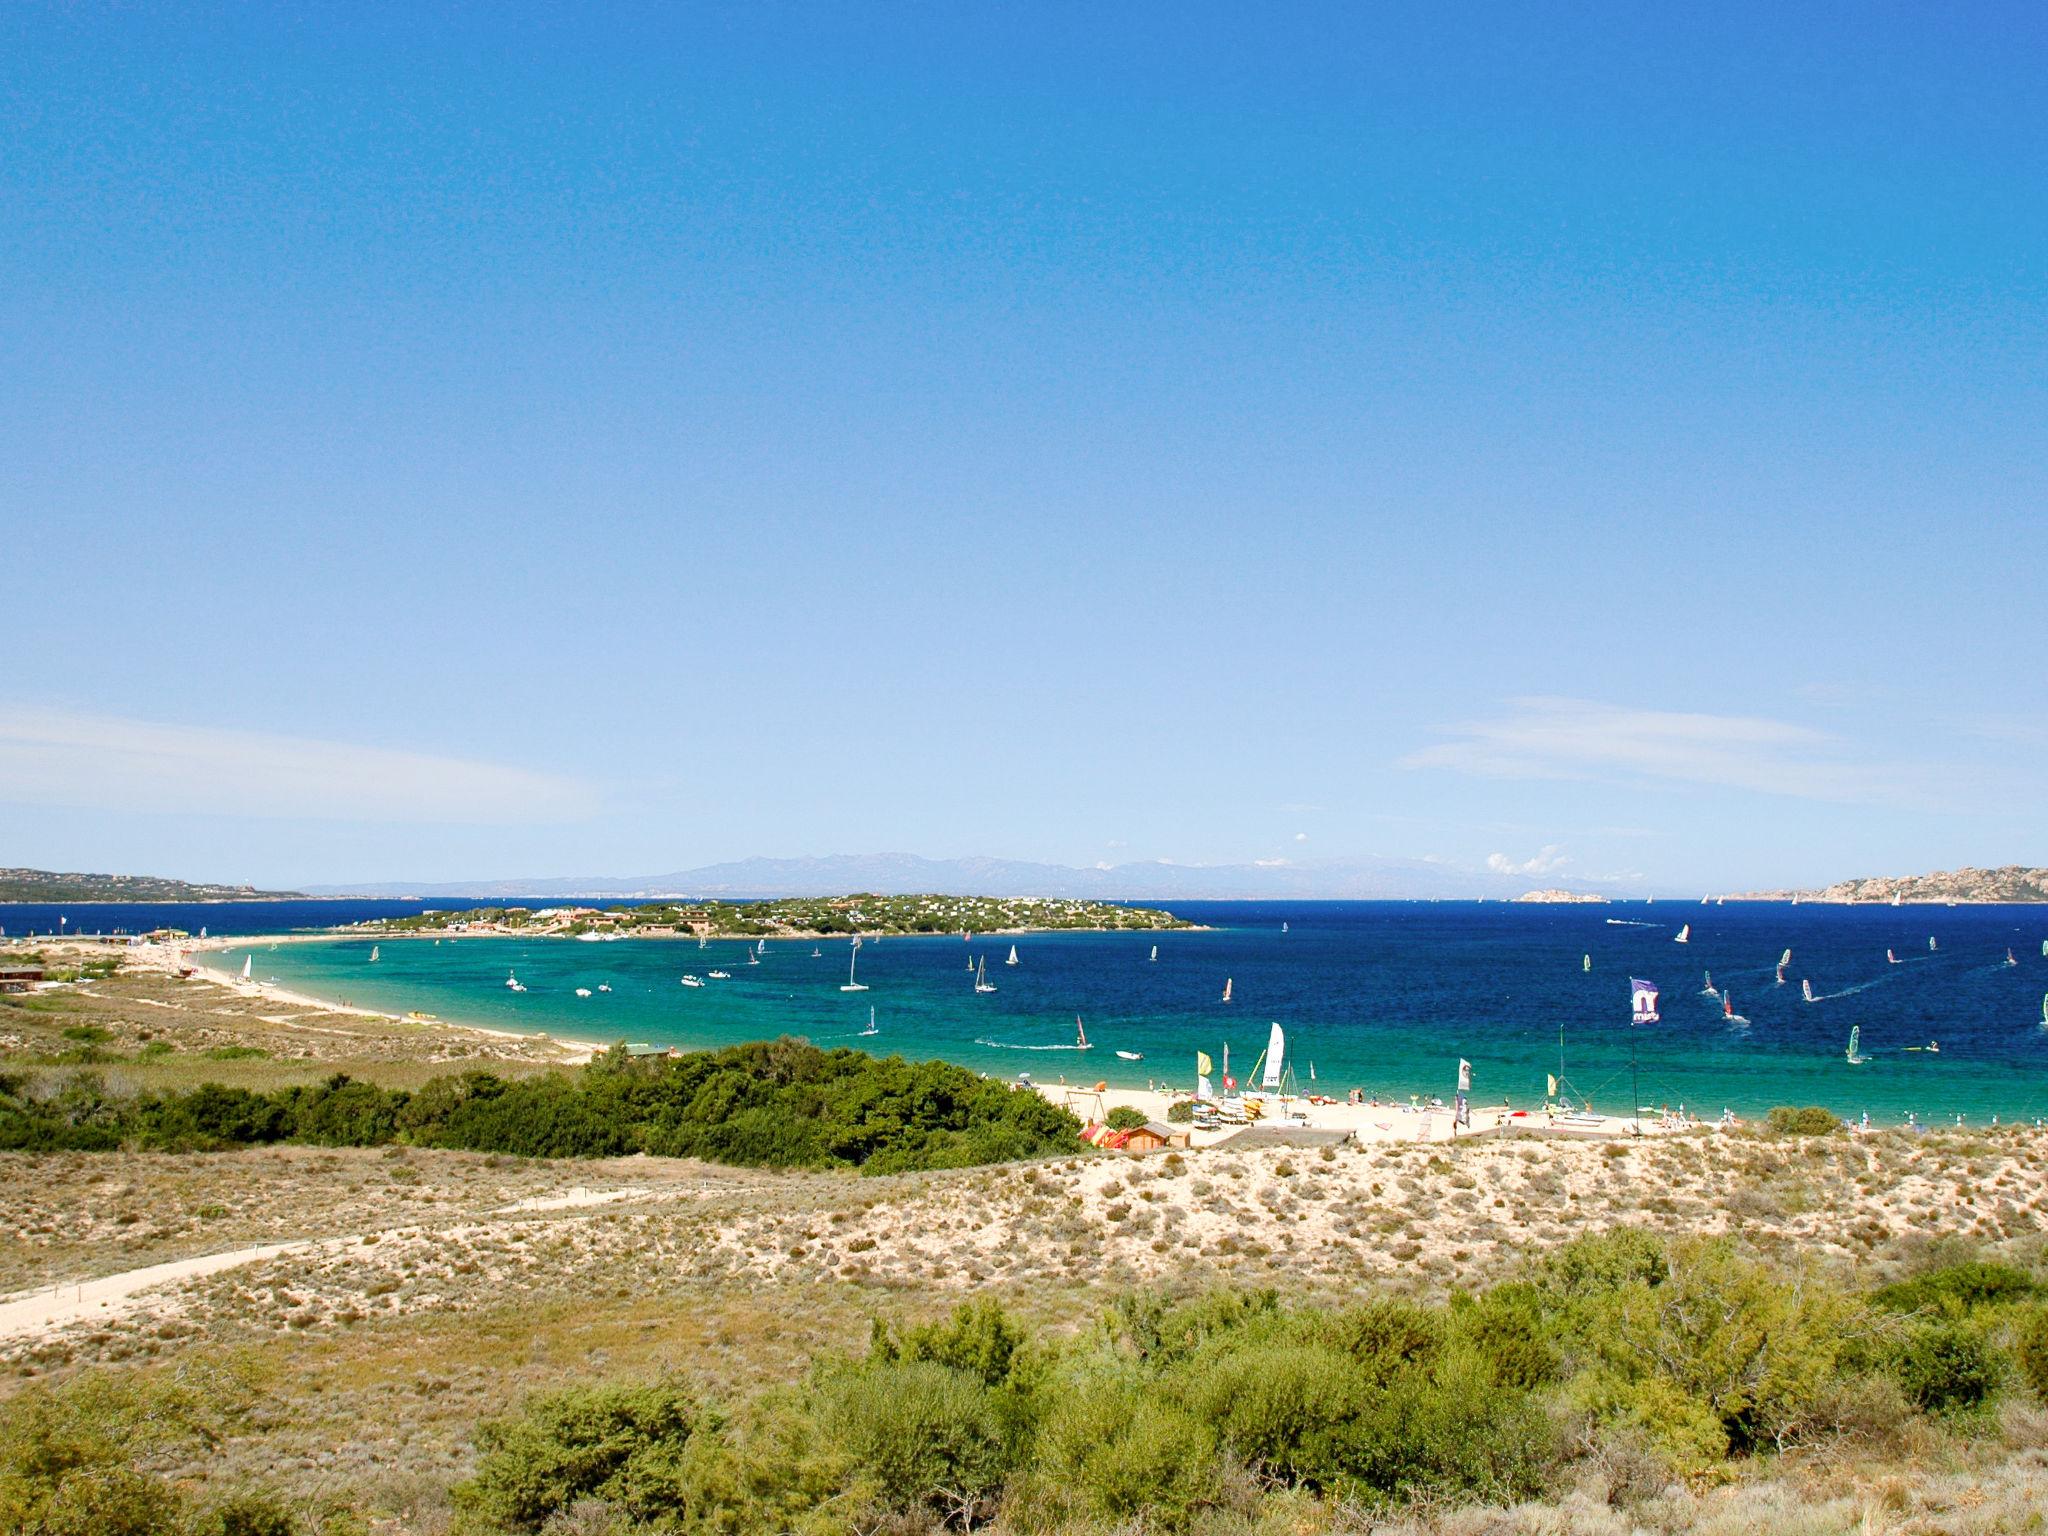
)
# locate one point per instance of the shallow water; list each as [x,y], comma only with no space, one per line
[1385,996]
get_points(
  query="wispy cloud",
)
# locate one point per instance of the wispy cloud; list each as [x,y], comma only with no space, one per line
[57,757]
[1554,738]
[1546,860]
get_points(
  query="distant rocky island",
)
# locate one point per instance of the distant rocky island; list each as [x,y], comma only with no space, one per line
[2007,883]
[1556,895]
[48,885]
[792,917]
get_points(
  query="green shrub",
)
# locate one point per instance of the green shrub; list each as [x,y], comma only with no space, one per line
[1810,1121]
[624,1445]
[1181,1112]
[1507,1327]
[929,1436]
[1124,1118]
[1114,1448]
[246,1514]
[1946,1366]
[1283,1408]
[2030,1349]
[1958,1289]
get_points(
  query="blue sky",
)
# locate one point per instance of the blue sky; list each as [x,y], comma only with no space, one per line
[462,442]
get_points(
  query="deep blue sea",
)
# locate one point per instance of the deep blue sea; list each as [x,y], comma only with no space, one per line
[1386,996]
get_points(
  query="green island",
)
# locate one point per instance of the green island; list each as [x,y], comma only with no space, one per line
[793,917]
[50,885]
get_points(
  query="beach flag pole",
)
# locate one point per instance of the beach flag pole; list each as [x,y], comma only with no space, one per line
[1643,1010]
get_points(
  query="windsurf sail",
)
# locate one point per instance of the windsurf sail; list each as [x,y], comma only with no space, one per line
[1806,992]
[1855,1056]
[1226,989]
[1080,1033]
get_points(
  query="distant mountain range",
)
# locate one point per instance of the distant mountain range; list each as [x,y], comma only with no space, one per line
[48,885]
[900,874]
[2007,883]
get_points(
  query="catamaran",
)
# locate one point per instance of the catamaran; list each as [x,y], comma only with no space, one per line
[1226,989]
[850,985]
[871,1029]
[247,962]
[1684,934]
[1856,1058]
[981,981]
[1276,1048]
[1013,956]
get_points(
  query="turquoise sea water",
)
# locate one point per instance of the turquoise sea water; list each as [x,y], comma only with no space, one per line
[1386,996]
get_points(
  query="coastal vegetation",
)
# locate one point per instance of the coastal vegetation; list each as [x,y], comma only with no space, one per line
[794,917]
[2015,883]
[777,1104]
[1624,1377]
[43,885]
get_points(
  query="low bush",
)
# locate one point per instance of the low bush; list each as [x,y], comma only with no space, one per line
[623,1445]
[1124,1118]
[1810,1121]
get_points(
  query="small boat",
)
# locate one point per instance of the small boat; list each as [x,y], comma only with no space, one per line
[2044,949]
[981,981]
[1080,1035]
[248,961]
[1806,992]
[512,981]
[719,975]
[1013,956]
[1855,1057]
[1684,934]
[817,953]
[871,1029]
[604,986]
[1226,989]
[1131,1055]
[1283,927]
[374,954]
[1895,898]
[1932,1047]
[693,981]
[583,991]
[852,958]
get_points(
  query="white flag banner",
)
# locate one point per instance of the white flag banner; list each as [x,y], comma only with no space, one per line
[1464,1075]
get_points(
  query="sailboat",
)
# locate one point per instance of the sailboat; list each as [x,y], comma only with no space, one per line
[981,981]
[853,955]
[970,962]
[247,962]
[1855,1056]
[1013,956]
[1276,1046]
[1283,927]
[872,1029]
[817,953]
[1155,949]
[1080,1035]
[1226,989]
[513,983]
[1586,964]
[2008,957]
[373,954]
[1684,934]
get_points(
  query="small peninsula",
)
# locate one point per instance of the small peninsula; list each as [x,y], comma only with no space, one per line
[47,885]
[1555,896]
[2009,883]
[792,917]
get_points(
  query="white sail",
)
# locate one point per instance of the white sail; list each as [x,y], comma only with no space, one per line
[1155,950]
[1276,1043]
[1013,956]
[247,962]
[1684,934]
[1586,964]
[1930,942]
[1226,989]
[1806,991]
[1855,1038]
[1204,1089]
[852,959]
[1080,1033]
[373,951]
[1785,958]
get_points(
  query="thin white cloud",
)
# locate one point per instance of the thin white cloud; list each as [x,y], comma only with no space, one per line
[1301,837]
[1546,860]
[1553,738]
[57,757]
